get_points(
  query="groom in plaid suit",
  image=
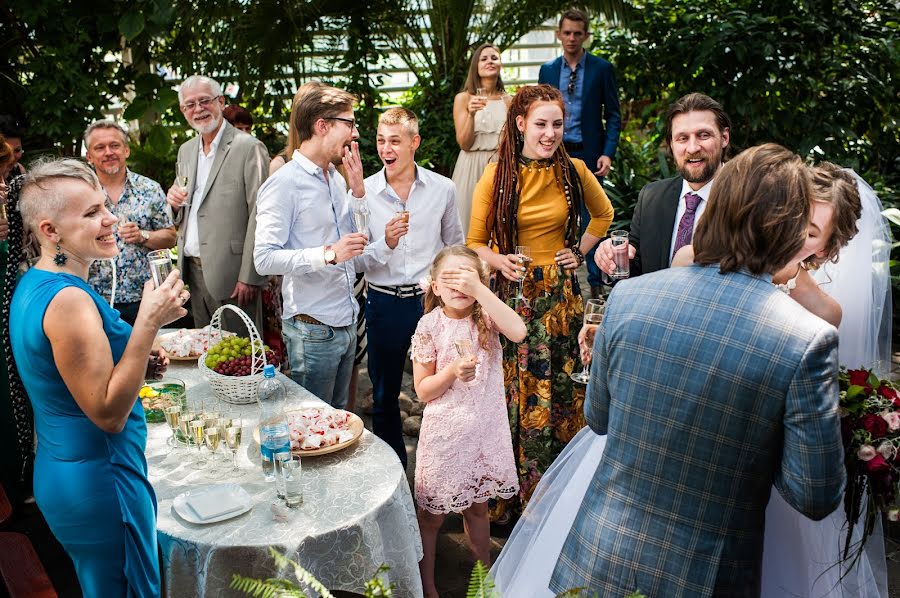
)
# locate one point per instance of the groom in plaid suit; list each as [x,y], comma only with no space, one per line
[711,385]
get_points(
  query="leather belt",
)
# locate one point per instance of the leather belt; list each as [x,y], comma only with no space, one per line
[573,147]
[308,319]
[401,291]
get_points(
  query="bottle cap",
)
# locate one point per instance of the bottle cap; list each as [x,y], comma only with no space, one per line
[269,371]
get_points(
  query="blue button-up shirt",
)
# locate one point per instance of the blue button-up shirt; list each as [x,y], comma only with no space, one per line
[572,132]
[433,225]
[298,212]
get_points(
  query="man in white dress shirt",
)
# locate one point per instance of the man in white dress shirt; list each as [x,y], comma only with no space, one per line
[698,132]
[394,303]
[305,233]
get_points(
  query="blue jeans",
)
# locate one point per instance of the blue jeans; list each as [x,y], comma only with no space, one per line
[592,268]
[321,358]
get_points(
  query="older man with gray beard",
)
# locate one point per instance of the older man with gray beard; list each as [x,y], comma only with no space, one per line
[215,208]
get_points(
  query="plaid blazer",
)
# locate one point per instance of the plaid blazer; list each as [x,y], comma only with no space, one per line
[710,388]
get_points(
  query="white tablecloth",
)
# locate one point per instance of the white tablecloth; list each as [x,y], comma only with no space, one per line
[357,512]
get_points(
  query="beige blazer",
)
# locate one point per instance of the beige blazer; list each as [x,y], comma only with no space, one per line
[227,214]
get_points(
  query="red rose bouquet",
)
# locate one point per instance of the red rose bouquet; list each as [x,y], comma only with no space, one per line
[870,427]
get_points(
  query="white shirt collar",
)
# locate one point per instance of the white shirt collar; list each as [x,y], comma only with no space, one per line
[308,165]
[379,181]
[703,191]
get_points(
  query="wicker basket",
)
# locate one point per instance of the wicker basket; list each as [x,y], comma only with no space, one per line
[237,390]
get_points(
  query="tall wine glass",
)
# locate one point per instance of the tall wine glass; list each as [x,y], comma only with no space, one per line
[233,432]
[197,433]
[401,210]
[524,254]
[593,315]
[173,417]
[181,175]
[213,436]
[465,350]
[361,218]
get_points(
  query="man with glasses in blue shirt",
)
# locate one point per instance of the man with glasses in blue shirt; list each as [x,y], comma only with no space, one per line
[306,234]
[593,121]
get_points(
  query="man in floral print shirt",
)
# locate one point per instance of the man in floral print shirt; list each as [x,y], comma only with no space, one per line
[144,222]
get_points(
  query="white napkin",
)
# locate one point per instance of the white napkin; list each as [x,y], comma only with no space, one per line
[215,503]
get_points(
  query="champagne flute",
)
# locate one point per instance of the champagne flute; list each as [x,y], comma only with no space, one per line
[400,210]
[465,351]
[184,425]
[173,417]
[233,437]
[213,437]
[361,219]
[197,432]
[181,175]
[524,253]
[593,315]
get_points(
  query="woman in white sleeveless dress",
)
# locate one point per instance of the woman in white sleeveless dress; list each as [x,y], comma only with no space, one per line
[801,556]
[479,111]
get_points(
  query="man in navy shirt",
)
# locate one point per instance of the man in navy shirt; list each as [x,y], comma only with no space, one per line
[593,120]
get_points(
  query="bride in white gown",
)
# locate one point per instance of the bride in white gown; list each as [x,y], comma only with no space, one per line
[801,556]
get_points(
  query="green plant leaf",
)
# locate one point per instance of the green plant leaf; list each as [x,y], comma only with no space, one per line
[892,214]
[131,24]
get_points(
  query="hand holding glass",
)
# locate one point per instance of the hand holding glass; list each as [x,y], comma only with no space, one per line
[524,254]
[619,242]
[160,265]
[593,315]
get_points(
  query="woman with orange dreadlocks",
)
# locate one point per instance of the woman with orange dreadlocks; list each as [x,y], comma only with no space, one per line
[532,197]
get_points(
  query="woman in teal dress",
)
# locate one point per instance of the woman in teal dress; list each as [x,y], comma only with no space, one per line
[82,366]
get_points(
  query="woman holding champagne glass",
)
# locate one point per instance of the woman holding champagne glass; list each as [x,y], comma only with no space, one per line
[479,111]
[525,222]
[82,367]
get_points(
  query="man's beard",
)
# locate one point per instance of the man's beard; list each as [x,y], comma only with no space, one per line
[110,171]
[709,170]
[205,129]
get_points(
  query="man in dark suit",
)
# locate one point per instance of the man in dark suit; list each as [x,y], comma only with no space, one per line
[589,87]
[698,132]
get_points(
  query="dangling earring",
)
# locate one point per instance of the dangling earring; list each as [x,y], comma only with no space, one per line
[60,258]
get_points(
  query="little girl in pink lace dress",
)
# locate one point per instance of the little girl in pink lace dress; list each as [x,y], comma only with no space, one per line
[465,454]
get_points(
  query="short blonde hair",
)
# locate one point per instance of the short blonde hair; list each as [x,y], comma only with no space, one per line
[41,196]
[404,117]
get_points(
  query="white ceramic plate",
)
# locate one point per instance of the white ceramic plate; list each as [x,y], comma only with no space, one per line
[180,504]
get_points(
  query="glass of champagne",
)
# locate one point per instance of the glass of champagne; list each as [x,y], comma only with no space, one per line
[524,254]
[198,427]
[593,315]
[361,218]
[173,418]
[401,211]
[213,436]
[233,432]
[465,350]
[160,265]
[181,175]
[184,425]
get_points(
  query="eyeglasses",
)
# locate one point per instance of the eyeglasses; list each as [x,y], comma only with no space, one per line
[573,76]
[350,121]
[204,103]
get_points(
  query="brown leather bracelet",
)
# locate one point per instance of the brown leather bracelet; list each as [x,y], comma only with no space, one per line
[578,255]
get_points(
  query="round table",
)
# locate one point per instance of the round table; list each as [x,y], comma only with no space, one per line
[357,511]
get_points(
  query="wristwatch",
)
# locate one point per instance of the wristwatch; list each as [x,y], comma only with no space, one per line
[145,236]
[330,255]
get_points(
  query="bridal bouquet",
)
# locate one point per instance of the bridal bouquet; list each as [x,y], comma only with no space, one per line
[870,427]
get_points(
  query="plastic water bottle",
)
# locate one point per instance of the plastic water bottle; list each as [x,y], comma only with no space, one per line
[274,433]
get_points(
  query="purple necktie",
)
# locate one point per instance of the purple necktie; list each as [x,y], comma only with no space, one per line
[685,232]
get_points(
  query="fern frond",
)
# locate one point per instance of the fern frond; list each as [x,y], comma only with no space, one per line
[302,575]
[375,587]
[480,585]
[254,587]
